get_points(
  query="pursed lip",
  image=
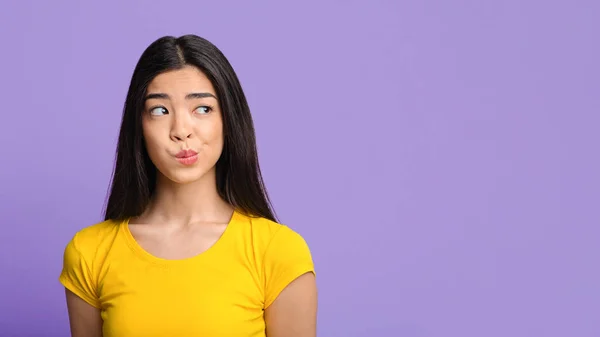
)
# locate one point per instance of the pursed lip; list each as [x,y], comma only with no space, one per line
[186,153]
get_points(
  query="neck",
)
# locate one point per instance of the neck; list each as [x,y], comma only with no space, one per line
[182,204]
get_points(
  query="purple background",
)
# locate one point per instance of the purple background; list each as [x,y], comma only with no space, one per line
[440,157]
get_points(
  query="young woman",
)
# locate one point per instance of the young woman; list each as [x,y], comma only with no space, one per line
[190,245]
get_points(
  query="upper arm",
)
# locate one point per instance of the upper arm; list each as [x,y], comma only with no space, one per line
[290,286]
[80,284]
[84,319]
[294,311]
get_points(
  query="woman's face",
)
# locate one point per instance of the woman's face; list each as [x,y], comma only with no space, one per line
[182,125]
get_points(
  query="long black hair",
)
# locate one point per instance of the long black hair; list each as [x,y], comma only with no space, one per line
[238,175]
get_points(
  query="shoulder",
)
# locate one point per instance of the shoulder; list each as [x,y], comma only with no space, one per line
[283,255]
[82,258]
[95,234]
[88,241]
[268,235]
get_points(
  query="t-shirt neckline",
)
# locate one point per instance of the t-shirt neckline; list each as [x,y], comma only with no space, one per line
[143,253]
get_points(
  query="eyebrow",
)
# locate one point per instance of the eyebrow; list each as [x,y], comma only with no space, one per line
[193,95]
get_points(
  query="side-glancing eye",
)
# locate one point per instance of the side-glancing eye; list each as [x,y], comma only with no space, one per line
[159,110]
[203,110]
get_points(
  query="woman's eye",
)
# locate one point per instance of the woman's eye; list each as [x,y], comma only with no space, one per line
[159,111]
[203,109]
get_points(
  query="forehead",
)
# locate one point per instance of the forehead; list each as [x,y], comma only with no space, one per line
[181,81]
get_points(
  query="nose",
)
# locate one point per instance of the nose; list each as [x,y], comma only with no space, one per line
[180,129]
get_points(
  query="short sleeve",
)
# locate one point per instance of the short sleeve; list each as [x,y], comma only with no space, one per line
[76,274]
[287,257]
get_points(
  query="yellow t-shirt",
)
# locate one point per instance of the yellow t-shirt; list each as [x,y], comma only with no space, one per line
[221,292]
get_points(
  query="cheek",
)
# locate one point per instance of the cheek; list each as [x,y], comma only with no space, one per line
[150,140]
[211,134]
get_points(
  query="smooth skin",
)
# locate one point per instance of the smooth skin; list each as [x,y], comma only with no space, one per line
[186,215]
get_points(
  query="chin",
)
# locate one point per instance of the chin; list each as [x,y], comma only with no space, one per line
[186,176]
